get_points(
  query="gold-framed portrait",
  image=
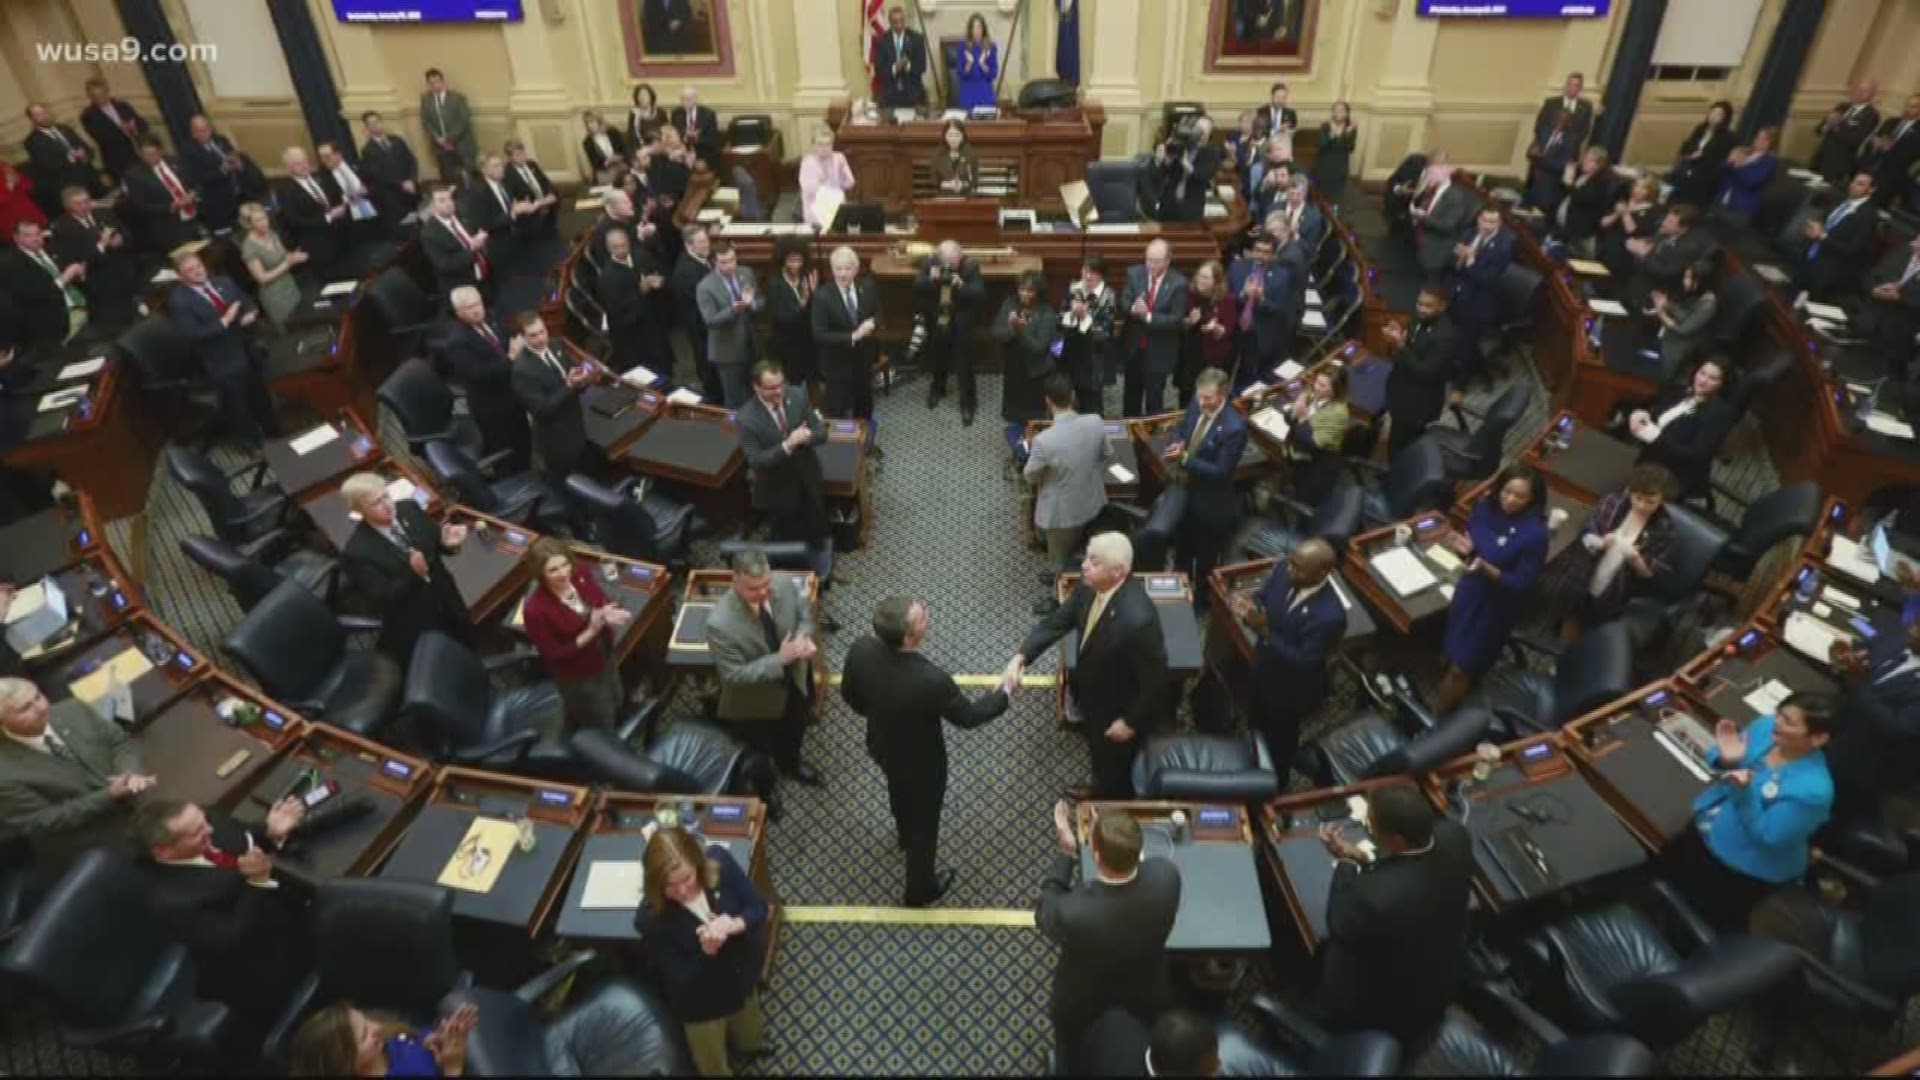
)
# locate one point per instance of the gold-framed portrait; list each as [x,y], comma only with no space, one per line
[1261,35]
[676,37]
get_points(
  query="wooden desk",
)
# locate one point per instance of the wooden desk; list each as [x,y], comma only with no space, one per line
[104,445]
[523,896]
[48,540]
[187,743]
[1122,454]
[354,448]
[171,665]
[1646,755]
[1581,459]
[1424,531]
[617,413]
[1832,601]
[100,599]
[1301,864]
[1221,910]
[1723,677]
[390,786]
[1043,150]
[491,566]
[695,451]
[843,465]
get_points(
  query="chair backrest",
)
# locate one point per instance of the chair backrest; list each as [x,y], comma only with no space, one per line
[1337,518]
[1204,767]
[451,464]
[1462,1047]
[1519,286]
[1487,444]
[1605,1054]
[419,399]
[1455,734]
[1697,542]
[396,300]
[1756,377]
[621,524]
[158,352]
[1892,919]
[1417,479]
[384,945]
[287,643]
[247,580]
[1115,186]
[91,943]
[1736,305]
[447,690]
[1356,1053]
[198,474]
[750,129]
[1593,671]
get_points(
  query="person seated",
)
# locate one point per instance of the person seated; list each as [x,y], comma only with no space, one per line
[1503,548]
[1754,824]
[340,1040]
[1637,215]
[1665,256]
[1625,542]
[68,778]
[1317,431]
[213,313]
[168,209]
[1747,174]
[1890,313]
[1397,918]
[17,201]
[1179,1043]
[1684,425]
[956,171]
[1695,175]
[822,169]
[1839,245]
[1876,751]
[1685,318]
[606,148]
[1589,188]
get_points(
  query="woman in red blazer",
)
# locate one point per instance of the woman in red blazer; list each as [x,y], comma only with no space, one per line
[567,617]
[16,201]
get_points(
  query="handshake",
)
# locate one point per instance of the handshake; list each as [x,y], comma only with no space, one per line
[1010,678]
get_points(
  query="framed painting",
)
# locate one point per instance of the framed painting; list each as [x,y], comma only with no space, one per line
[676,37]
[1261,35]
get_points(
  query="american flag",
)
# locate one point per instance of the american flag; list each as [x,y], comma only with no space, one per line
[876,22]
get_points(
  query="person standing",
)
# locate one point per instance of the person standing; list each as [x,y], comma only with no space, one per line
[528,184]
[1626,541]
[215,315]
[1504,548]
[683,287]
[68,777]
[979,66]
[1891,314]
[363,222]
[729,298]
[699,127]
[1891,152]
[1156,305]
[1480,261]
[1205,455]
[904,697]
[1439,214]
[48,306]
[475,352]
[1844,131]
[1298,624]
[957,171]
[844,323]
[780,433]
[900,59]
[571,623]
[220,174]
[1560,131]
[393,559]
[87,234]
[1026,329]
[606,148]
[549,391]
[823,169]
[270,263]
[313,212]
[1086,334]
[57,159]
[1695,176]
[1423,370]
[1066,465]
[392,172]
[1112,931]
[1335,161]
[1840,246]
[114,127]
[1119,680]
[486,203]
[626,293]
[790,311]
[167,209]
[456,250]
[449,123]
[1248,329]
[949,293]
[1875,751]
[761,637]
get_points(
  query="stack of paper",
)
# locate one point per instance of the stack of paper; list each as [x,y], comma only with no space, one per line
[1403,570]
[60,399]
[1889,425]
[1288,369]
[340,288]
[1312,297]
[1254,388]
[1313,319]
[1600,305]
[313,440]
[1273,422]
[1812,637]
[1446,560]
[1853,560]
[684,396]
[639,376]
[124,668]
[1128,228]
[1834,596]
[1773,274]
[614,885]
[81,370]
[1588,268]
[1120,473]
[1766,700]
[1824,312]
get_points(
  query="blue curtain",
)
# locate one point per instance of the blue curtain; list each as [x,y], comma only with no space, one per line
[172,86]
[1786,55]
[312,79]
[1631,66]
[1066,48]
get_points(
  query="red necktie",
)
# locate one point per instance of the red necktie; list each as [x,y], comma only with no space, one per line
[219,305]
[479,260]
[779,417]
[166,177]
[492,339]
[219,858]
[1153,290]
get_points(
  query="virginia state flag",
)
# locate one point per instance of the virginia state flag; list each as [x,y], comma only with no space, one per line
[1066,49]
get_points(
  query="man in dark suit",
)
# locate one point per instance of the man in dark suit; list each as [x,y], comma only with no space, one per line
[1267,292]
[1309,224]
[1298,624]
[1396,918]
[313,212]
[456,249]
[1424,369]
[904,697]
[1112,931]
[489,206]
[215,315]
[1678,243]
[626,289]
[1439,215]
[1186,173]
[618,215]
[1876,749]
[683,286]
[948,291]
[1276,113]
[113,125]
[1844,132]
[1839,245]
[167,206]
[393,559]
[845,317]
[45,295]
[221,175]
[391,170]
[473,350]
[1480,260]
[1891,153]
[549,390]
[900,58]
[364,224]
[57,159]
[68,777]
[538,228]
[1204,455]
[699,127]
[1560,131]
[1179,1043]
[1119,680]
[1892,313]
[448,121]
[91,236]
[1155,303]
[666,26]
[210,886]
[779,431]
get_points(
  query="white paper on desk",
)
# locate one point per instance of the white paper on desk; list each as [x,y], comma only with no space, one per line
[1834,596]
[1889,425]
[1115,228]
[1403,570]
[684,396]
[1447,559]
[725,196]
[589,202]
[115,702]
[1213,210]
[613,885]
[60,399]
[165,276]
[1806,174]
[1120,473]
[1812,637]
[710,214]
[1773,274]
[1313,297]
[1288,369]
[746,149]
[1255,388]
[314,440]
[1853,560]
[1682,755]
[1824,311]
[1766,700]
[1225,191]
[1588,268]
[639,376]
[1313,320]
[340,288]
[82,369]
[1273,422]
[1600,305]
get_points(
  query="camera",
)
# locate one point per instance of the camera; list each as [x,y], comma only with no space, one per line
[1184,135]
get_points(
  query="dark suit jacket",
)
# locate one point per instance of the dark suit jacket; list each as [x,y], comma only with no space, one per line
[1891,167]
[559,419]
[633,319]
[1211,501]
[1288,115]
[904,697]
[901,89]
[62,807]
[701,987]
[221,192]
[409,605]
[112,278]
[226,349]
[1162,326]
[1842,256]
[597,160]
[1417,385]
[1840,143]
[706,140]
[117,148]
[782,482]
[1278,310]
[1586,204]
[480,208]
[1122,666]
[384,170]
[1113,943]
[160,226]
[1476,288]
[518,187]
[1572,139]
[1114,1045]
[1183,194]
[306,219]
[454,264]
[483,370]
[967,297]
[1397,936]
[1451,212]
[1291,658]
[1876,749]
[1671,256]
[682,284]
[1687,445]
[239,935]
[1695,179]
[40,307]
[842,358]
[656,19]
[51,169]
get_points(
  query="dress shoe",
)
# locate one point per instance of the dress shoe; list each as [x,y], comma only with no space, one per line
[775,806]
[804,774]
[874,454]
[933,399]
[942,884]
[826,623]
[966,417]
[1077,792]
[839,577]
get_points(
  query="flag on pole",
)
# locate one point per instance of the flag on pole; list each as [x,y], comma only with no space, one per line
[875,21]
[1066,48]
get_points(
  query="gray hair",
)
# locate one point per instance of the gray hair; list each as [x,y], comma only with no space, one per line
[1112,547]
[14,693]
[464,295]
[750,563]
[843,256]
[892,618]
[362,486]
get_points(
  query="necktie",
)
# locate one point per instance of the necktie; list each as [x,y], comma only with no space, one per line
[91,227]
[769,628]
[1913,267]
[502,196]
[1839,213]
[1246,312]
[57,747]
[214,298]
[527,175]
[1853,112]
[349,183]
[1094,612]
[313,188]
[466,240]
[167,178]
[853,305]
[733,287]
[67,290]
[554,362]
[779,417]
[58,134]
[492,338]
[1434,199]
[439,112]
[1901,131]
[1199,436]
[219,859]
[381,142]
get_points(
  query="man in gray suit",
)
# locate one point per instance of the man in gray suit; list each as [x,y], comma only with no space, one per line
[1439,216]
[728,301]
[761,638]
[67,777]
[1067,467]
[1112,931]
[449,123]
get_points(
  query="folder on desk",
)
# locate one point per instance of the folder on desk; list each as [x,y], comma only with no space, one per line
[1079,202]
[313,440]
[1812,637]
[1403,570]
[1272,421]
[614,885]
[83,369]
[1600,305]
[129,665]
[826,206]
[1589,268]
[481,855]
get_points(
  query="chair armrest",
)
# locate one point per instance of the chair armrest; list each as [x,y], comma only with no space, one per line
[1689,919]
[278,504]
[1502,997]
[1520,643]
[1288,1024]
[627,484]
[257,468]
[519,742]
[274,1049]
[1820,972]
[641,721]
[521,510]
[544,983]
[1365,466]
[511,658]
[492,461]
[1294,509]
[1854,875]
[143,1030]
[1417,709]
[1723,492]
[358,624]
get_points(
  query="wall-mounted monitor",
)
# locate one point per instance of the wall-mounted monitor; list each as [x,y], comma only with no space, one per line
[427,11]
[1515,9]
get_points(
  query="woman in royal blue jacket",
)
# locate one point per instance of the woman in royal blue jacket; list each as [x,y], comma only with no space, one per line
[1746,174]
[1504,547]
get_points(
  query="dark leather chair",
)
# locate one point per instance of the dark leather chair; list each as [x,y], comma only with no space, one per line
[1751,383]
[1371,746]
[616,1028]
[248,579]
[524,499]
[1620,974]
[653,528]
[1152,538]
[1789,512]
[1200,767]
[1416,480]
[1673,594]
[688,758]
[253,519]
[1473,453]
[1317,1051]
[750,129]
[1586,675]
[295,647]
[1336,519]
[1115,187]
[1737,306]
[94,953]
[449,694]
[402,310]
[171,377]
[781,554]
[1859,956]
[1462,1047]
[423,403]
[16,866]
[386,946]
[1518,291]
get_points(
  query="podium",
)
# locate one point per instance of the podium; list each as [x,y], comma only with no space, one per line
[968,220]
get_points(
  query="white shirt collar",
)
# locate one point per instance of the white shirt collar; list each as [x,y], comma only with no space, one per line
[36,742]
[1300,595]
[1128,880]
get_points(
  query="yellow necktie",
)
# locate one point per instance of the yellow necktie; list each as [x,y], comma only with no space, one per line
[1199,436]
[1093,615]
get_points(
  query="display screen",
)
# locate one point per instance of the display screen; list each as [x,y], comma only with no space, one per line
[1516,9]
[409,11]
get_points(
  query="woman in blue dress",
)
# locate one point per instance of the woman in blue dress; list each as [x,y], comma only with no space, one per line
[340,1040]
[1504,549]
[979,61]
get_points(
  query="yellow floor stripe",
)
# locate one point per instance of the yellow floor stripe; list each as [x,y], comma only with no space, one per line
[905,916]
[1030,681]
